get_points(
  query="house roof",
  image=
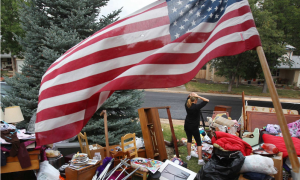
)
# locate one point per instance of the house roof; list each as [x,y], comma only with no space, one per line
[296,64]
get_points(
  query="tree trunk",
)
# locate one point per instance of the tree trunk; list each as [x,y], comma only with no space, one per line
[14,65]
[237,81]
[265,87]
[230,83]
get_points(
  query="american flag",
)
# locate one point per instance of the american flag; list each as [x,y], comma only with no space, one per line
[162,45]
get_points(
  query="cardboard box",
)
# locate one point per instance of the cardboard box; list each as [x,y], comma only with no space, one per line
[99,149]
[278,163]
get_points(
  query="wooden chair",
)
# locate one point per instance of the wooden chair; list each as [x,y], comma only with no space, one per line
[84,145]
[132,151]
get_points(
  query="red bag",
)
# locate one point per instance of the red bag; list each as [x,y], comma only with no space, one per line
[270,148]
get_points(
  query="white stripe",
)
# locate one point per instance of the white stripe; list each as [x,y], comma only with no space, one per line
[176,69]
[156,13]
[136,58]
[69,98]
[94,69]
[115,41]
[102,98]
[145,69]
[51,124]
[145,8]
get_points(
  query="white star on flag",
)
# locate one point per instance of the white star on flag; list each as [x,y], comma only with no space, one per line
[177,35]
[174,9]
[198,14]
[187,6]
[213,1]
[185,20]
[216,8]
[175,23]
[181,27]
[181,13]
[222,8]
[209,9]
[216,16]
[179,2]
[211,15]
[193,23]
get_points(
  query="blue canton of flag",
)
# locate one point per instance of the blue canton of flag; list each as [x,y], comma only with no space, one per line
[187,14]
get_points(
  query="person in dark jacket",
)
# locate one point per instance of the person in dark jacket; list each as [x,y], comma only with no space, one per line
[191,123]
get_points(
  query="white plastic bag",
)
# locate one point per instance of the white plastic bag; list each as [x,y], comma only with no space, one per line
[47,172]
[139,142]
[259,164]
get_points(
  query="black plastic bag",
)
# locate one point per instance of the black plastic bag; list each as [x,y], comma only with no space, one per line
[222,168]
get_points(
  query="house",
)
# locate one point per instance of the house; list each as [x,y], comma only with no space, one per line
[289,74]
[283,75]
[6,63]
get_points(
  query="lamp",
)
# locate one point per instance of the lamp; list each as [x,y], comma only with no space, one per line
[13,114]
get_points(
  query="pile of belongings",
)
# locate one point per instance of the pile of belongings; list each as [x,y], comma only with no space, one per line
[294,129]
[224,123]
[79,160]
[231,157]
[16,142]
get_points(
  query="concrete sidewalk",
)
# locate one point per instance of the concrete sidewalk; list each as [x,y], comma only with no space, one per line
[181,89]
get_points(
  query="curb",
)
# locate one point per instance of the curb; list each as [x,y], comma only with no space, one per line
[254,98]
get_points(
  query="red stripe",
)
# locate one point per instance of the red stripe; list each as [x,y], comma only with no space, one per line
[58,134]
[153,23]
[194,37]
[113,24]
[82,83]
[165,81]
[161,58]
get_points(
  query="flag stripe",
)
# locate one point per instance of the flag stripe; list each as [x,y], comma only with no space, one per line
[147,15]
[98,57]
[137,53]
[152,69]
[66,80]
[85,72]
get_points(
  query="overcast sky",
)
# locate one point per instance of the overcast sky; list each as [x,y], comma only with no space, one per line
[129,6]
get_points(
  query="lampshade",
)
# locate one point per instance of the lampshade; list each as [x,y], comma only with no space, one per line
[1,114]
[13,114]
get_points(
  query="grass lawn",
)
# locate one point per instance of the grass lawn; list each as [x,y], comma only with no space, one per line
[179,132]
[248,89]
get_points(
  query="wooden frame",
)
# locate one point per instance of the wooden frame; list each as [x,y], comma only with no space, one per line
[84,145]
[261,119]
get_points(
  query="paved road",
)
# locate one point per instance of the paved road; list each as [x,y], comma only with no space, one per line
[176,101]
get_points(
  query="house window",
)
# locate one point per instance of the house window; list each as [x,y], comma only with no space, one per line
[275,72]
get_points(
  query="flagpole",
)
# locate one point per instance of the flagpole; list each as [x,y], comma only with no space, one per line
[280,116]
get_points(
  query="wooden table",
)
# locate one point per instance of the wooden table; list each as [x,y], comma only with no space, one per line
[13,164]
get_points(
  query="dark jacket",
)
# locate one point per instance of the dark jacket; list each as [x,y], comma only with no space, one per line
[193,113]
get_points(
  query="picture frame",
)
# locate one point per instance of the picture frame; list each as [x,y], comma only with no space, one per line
[170,170]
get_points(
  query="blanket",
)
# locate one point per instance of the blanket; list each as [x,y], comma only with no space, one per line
[231,143]
[279,143]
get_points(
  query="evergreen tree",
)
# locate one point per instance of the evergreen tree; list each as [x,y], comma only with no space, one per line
[10,25]
[122,117]
[51,28]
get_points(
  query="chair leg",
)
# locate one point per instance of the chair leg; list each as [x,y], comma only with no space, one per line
[144,176]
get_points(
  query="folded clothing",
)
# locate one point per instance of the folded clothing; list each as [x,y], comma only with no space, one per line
[279,143]
[231,143]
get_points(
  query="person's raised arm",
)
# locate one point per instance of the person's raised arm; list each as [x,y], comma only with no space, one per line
[200,97]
